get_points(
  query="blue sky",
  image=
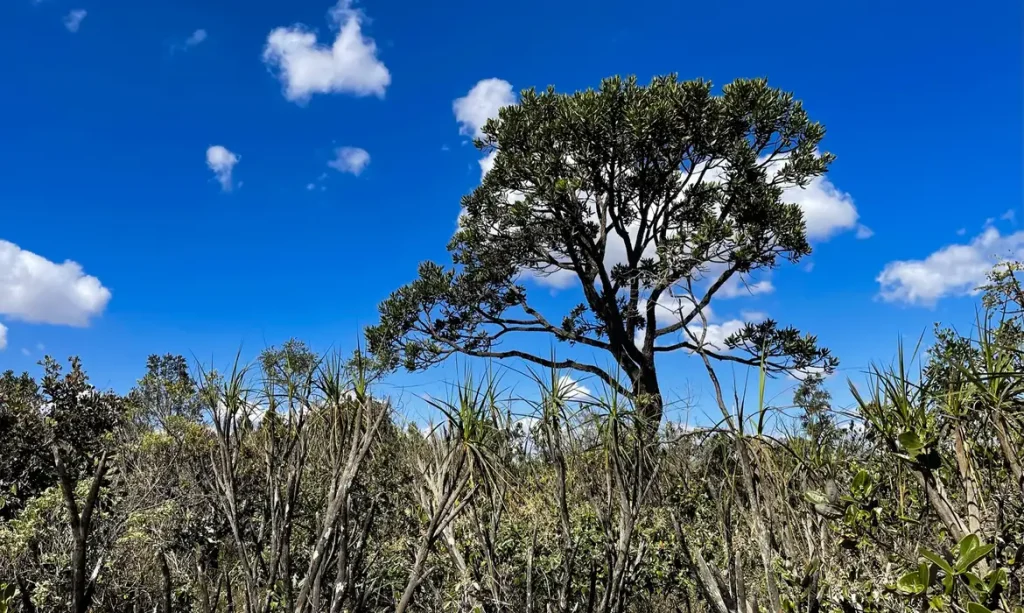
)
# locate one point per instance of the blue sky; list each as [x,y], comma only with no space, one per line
[125,234]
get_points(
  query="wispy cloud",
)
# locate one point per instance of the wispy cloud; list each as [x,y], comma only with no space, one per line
[350,159]
[73,20]
[197,37]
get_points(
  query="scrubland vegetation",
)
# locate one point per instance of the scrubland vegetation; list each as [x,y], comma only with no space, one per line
[294,484]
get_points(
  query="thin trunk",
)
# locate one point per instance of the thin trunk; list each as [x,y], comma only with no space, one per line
[165,575]
[971,492]
[204,588]
[416,576]
[940,502]
[1009,451]
[529,571]
[25,590]
[229,595]
[81,529]
[760,530]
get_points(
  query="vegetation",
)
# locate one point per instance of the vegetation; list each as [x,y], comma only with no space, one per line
[644,198]
[291,485]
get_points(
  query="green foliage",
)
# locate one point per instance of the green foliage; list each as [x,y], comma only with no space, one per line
[634,193]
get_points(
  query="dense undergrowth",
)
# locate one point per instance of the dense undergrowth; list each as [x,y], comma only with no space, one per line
[291,485]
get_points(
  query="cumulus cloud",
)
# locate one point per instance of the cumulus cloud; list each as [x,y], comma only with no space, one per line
[36,290]
[350,159]
[482,103]
[827,210]
[487,163]
[706,326]
[718,332]
[222,162]
[571,389]
[73,20]
[954,270]
[349,65]
[3,338]
[670,309]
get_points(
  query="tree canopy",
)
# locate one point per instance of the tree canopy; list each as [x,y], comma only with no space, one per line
[643,198]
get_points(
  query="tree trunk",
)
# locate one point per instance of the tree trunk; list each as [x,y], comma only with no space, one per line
[648,400]
[165,574]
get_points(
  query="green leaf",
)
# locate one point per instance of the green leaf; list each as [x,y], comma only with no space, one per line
[913,582]
[968,543]
[996,577]
[975,583]
[925,571]
[860,480]
[911,441]
[972,557]
[937,560]
[974,607]
[815,497]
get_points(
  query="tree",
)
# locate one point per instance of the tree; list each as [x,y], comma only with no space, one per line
[82,420]
[644,197]
[26,468]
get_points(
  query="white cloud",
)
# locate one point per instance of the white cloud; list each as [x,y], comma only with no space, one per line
[3,339]
[571,389]
[528,423]
[222,163]
[197,37]
[306,67]
[350,159]
[670,309]
[717,333]
[73,20]
[827,210]
[482,103]
[739,285]
[487,163]
[37,290]
[954,270]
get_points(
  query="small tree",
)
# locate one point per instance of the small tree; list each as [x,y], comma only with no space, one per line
[641,196]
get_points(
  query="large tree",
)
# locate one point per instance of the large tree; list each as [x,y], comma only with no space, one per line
[648,198]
